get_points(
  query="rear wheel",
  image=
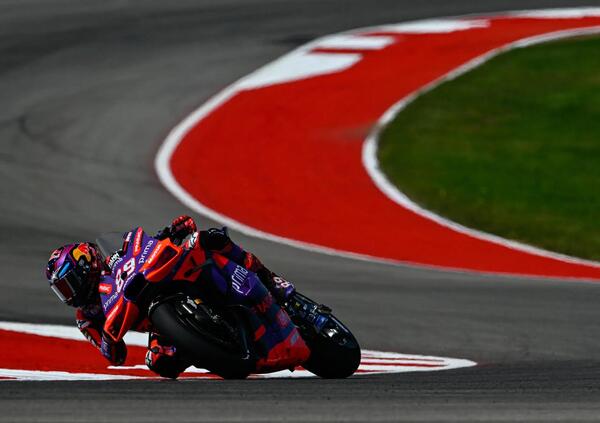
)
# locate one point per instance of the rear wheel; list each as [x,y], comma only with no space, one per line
[335,352]
[205,336]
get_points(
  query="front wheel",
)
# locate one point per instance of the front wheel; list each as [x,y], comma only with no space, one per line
[204,335]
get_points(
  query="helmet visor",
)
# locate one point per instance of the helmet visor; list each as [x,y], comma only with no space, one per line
[66,286]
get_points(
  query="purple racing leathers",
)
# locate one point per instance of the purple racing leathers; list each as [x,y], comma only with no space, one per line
[277,339]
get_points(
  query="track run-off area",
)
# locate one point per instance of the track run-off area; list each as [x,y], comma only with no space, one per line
[298,138]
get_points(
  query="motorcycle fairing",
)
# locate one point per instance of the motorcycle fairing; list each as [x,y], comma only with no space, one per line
[144,259]
[276,338]
[139,253]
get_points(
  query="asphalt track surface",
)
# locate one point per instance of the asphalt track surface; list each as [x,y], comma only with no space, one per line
[88,91]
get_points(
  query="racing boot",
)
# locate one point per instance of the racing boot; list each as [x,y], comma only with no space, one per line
[280,288]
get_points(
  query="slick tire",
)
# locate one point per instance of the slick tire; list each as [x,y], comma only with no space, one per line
[331,360]
[204,353]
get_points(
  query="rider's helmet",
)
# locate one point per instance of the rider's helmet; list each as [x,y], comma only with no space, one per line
[73,272]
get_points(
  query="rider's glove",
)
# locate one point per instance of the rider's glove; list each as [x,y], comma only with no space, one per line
[115,352]
[182,226]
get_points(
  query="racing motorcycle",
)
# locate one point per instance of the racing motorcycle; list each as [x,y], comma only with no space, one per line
[153,285]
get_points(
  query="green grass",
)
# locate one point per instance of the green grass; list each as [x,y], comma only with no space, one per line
[511,148]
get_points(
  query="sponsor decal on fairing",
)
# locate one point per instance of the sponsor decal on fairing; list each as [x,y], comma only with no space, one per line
[147,248]
[137,244]
[114,260]
[105,288]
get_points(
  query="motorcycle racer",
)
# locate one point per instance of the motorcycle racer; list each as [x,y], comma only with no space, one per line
[75,271]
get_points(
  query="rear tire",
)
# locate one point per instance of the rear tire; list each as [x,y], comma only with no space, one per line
[334,351]
[203,350]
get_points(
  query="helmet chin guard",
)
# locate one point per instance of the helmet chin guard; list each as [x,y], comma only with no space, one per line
[73,271]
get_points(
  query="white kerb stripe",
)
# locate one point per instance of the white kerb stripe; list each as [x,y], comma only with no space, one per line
[42,375]
[573,13]
[433,26]
[163,157]
[66,332]
[371,163]
[355,42]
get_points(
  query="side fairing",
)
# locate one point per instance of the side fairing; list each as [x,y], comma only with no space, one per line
[137,248]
